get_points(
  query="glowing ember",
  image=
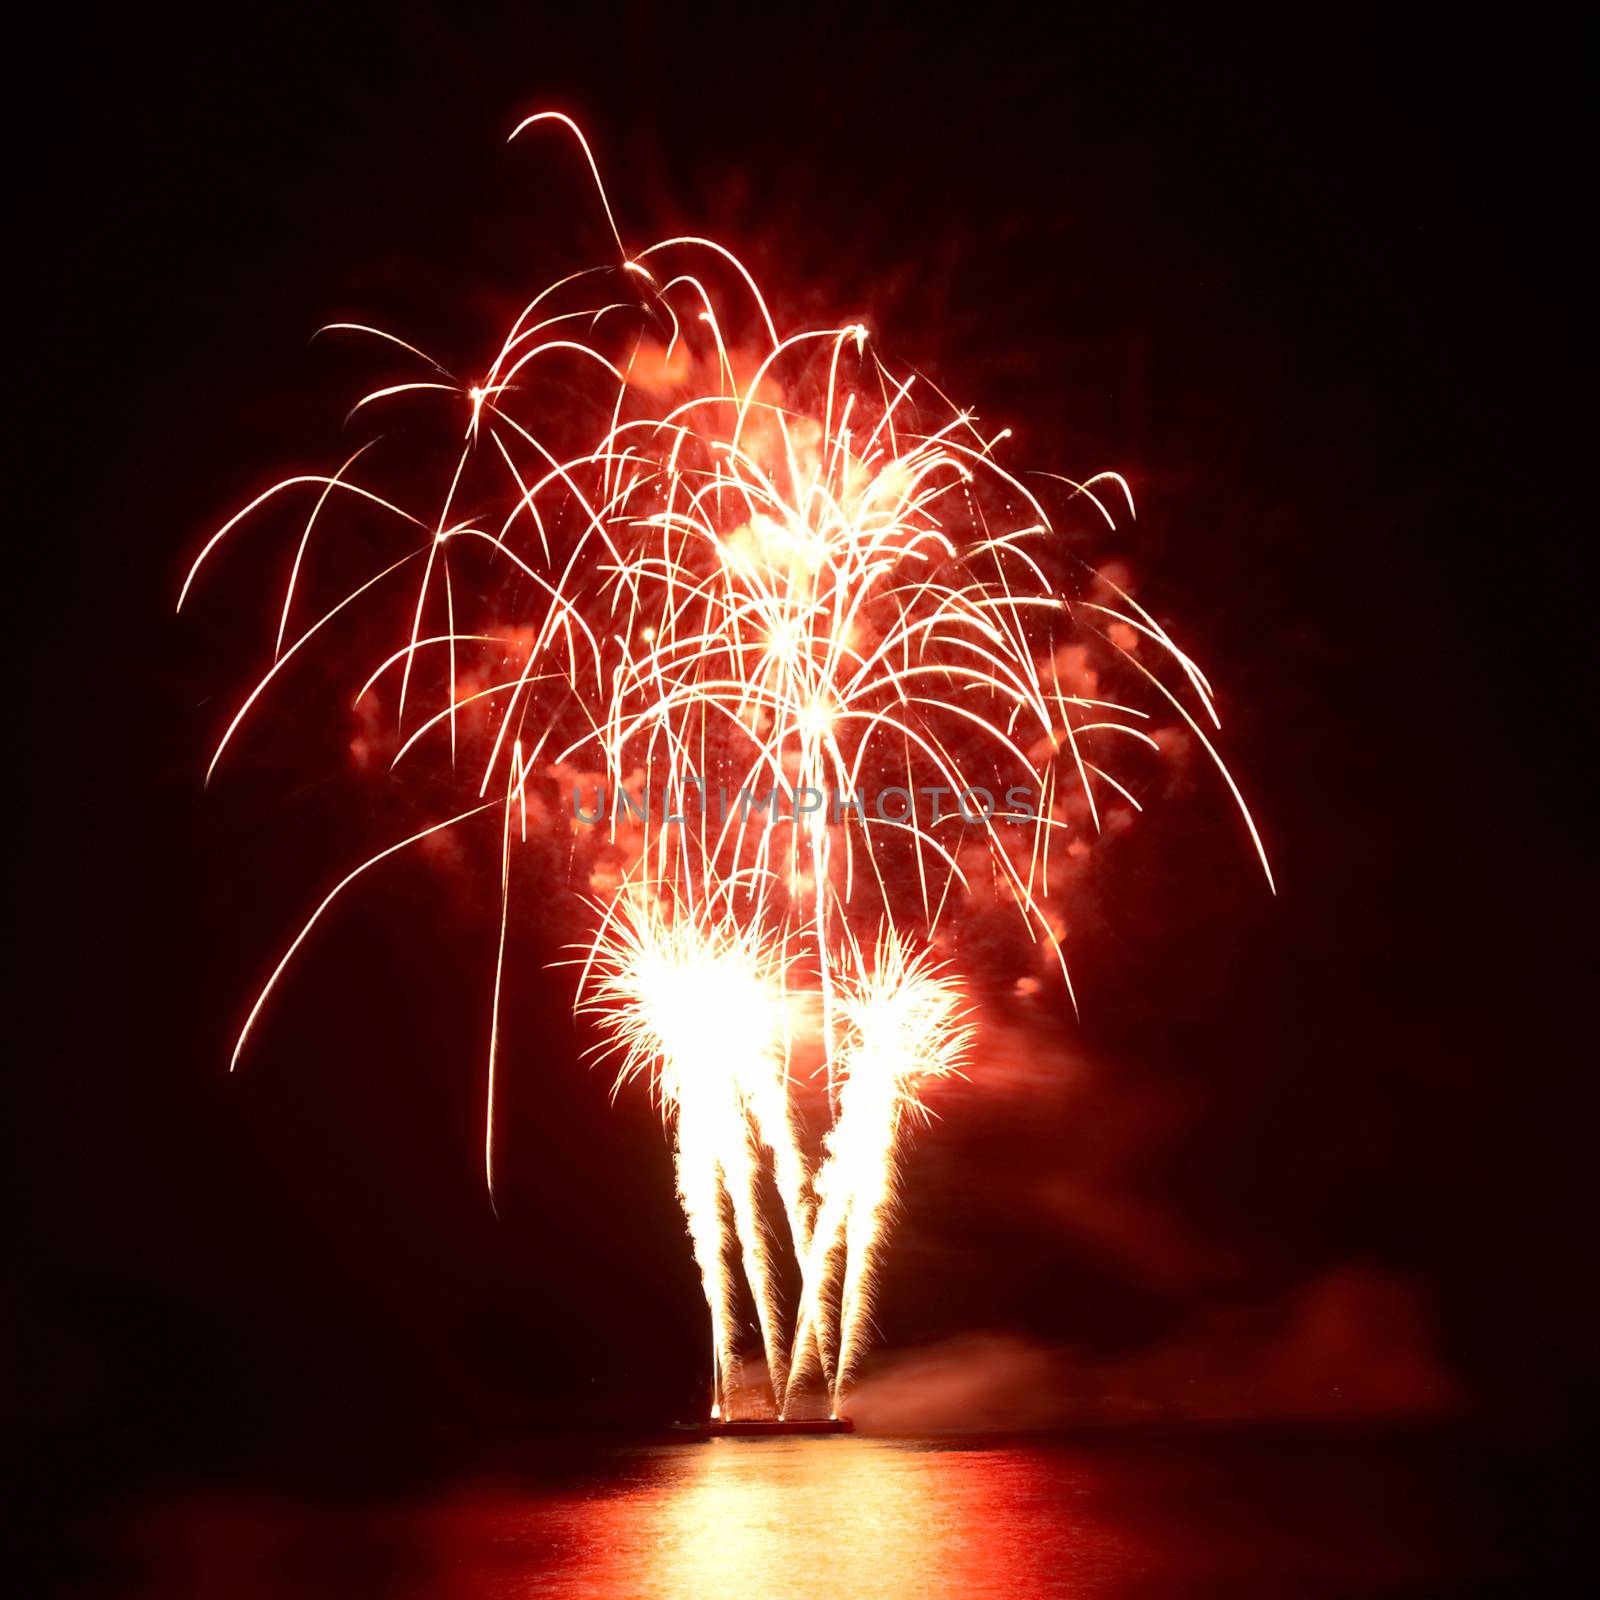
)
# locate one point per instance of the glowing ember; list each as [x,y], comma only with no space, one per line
[771,633]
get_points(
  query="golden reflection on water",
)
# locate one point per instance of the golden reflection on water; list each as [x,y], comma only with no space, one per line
[850,1516]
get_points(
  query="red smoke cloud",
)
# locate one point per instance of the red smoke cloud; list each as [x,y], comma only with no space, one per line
[1352,1342]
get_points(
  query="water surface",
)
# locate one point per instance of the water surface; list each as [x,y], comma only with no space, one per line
[1196,1514]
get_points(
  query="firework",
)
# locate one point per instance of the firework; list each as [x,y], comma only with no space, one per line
[904,1027]
[770,629]
[694,1004]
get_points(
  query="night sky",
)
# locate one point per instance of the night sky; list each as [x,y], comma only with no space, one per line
[1309,283]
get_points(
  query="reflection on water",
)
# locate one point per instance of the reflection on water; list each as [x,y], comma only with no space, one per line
[846,1517]
[852,1517]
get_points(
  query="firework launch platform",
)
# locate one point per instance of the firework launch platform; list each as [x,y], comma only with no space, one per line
[763,1427]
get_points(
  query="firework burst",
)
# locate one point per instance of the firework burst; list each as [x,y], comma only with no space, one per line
[805,656]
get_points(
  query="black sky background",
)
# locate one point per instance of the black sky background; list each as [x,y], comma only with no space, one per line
[1308,281]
